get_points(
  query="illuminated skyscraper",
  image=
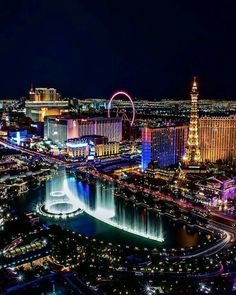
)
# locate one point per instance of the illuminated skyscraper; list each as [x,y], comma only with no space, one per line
[43,94]
[44,102]
[165,144]
[217,138]
[146,147]
[60,129]
[192,154]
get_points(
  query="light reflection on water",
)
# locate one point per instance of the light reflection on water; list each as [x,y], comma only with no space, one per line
[176,236]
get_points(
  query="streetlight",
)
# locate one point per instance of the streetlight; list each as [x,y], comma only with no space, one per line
[149,290]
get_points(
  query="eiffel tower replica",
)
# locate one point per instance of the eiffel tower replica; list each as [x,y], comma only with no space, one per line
[192,156]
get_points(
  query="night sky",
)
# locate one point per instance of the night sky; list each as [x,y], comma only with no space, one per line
[92,48]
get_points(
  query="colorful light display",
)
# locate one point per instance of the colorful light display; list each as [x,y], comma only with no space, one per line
[130,99]
[192,155]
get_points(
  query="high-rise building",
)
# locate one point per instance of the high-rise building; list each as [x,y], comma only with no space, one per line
[59,129]
[192,155]
[217,138]
[165,145]
[44,102]
[43,94]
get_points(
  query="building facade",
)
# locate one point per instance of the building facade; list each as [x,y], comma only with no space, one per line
[60,129]
[218,189]
[43,94]
[166,145]
[91,146]
[44,102]
[217,137]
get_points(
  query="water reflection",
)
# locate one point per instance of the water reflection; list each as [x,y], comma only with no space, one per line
[139,216]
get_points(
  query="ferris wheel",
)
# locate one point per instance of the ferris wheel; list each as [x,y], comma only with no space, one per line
[122,93]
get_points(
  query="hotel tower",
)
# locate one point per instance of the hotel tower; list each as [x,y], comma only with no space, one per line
[217,138]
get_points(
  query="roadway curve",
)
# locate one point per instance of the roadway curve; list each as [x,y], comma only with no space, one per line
[210,251]
[6,143]
[185,207]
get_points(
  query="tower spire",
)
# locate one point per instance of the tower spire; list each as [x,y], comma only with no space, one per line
[31,87]
[194,87]
[192,154]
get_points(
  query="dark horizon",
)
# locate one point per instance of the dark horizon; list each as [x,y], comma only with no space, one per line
[93,48]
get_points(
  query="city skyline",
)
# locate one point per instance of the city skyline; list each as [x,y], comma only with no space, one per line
[91,49]
[117,147]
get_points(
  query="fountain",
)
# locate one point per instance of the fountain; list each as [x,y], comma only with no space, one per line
[65,197]
[121,213]
[105,203]
[61,201]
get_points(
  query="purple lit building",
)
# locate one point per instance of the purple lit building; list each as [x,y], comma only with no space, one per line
[218,189]
[165,144]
